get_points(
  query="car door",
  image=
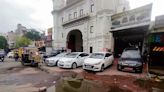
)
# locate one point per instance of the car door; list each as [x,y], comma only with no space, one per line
[81,58]
[111,58]
[108,59]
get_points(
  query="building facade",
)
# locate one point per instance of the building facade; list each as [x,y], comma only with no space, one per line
[130,28]
[83,25]
[21,30]
[11,39]
[156,46]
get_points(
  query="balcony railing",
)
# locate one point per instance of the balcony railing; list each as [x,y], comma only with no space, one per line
[84,16]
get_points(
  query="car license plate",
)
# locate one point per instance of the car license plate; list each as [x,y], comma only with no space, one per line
[129,68]
[88,66]
[61,65]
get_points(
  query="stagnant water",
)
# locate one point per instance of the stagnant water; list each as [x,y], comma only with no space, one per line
[83,85]
[69,84]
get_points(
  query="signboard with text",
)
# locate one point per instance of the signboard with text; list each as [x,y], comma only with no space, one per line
[132,17]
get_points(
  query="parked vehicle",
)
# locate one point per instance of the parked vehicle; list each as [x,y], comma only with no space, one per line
[98,61]
[52,61]
[2,55]
[10,55]
[72,60]
[29,56]
[51,54]
[130,59]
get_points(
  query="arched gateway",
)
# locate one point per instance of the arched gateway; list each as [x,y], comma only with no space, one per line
[74,41]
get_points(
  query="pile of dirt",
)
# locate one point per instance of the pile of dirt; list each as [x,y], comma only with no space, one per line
[150,84]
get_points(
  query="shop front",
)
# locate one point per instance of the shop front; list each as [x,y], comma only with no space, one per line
[130,28]
[156,53]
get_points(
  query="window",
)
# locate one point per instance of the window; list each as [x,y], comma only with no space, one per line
[124,9]
[62,35]
[91,29]
[132,18]
[97,55]
[62,19]
[92,7]
[107,55]
[75,14]
[124,20]
[91,49]
[83,55]
[69,17]
[81,12]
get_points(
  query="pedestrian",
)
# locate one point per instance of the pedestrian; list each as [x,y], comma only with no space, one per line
[145,56]
[16,56]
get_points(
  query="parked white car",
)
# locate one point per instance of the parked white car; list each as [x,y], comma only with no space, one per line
[10,55]
[53,61]
[72,60]
[98,61]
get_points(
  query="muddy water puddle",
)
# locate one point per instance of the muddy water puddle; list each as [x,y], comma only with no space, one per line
[96,83]
[151,85]
[84,85]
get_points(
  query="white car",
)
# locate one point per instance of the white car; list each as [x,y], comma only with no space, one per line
[98,61]
[72,60]
[10,55]
[53,61]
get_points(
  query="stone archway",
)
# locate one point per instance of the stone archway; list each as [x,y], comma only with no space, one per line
[75,41]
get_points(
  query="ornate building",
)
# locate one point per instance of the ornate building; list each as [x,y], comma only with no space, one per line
[83,25]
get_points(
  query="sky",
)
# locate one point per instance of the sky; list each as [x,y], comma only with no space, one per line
[30,13]
[37,13]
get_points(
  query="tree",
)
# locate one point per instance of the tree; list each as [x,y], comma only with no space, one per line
[33,35]
[3,43]
[22,42]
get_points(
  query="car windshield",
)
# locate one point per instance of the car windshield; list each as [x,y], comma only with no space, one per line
[71,55]
[97,55]
[133,54]
[61,55]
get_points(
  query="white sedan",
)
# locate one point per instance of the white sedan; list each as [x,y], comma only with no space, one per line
[72,60]
[98,61]
[10,55]
[53,61]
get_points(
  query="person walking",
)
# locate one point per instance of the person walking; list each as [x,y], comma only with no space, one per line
[145,56]
[16,56]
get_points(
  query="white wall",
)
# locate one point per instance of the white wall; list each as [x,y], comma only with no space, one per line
[100,19]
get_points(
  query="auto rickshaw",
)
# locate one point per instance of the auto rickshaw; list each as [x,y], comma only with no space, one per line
[30,56]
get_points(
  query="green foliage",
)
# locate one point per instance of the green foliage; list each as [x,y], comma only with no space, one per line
[22,42]
[33,35]
[3,42]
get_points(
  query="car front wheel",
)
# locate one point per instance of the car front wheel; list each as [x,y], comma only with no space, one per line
[74,66]
[102,68]
[119,67]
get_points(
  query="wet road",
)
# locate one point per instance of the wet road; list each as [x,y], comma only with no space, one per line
[16,78]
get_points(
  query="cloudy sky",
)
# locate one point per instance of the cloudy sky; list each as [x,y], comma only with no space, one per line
[37,13]
[30,13]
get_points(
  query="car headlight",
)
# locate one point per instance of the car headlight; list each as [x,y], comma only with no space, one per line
[97,63]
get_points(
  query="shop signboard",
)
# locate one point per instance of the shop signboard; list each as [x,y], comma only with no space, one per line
[132,17]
